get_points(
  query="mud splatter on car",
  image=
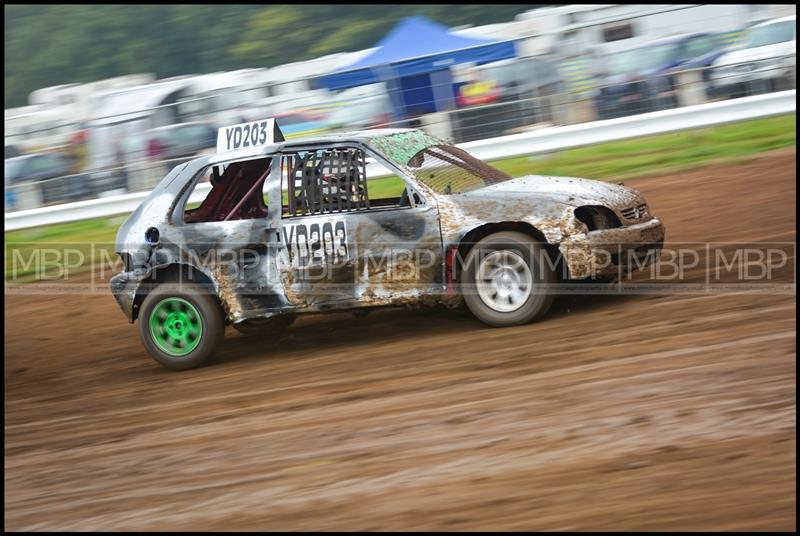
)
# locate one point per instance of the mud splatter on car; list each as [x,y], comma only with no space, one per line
[301,226]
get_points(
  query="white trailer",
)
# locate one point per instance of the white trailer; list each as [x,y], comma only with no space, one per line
[38,127]
[121,115]
[577,29]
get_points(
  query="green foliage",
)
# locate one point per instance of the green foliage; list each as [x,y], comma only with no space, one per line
[47,45]
[664,153]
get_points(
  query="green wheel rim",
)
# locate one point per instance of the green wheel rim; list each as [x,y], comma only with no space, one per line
[176,326]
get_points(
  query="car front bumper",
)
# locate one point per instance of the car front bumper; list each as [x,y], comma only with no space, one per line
[124,287]
[610,252]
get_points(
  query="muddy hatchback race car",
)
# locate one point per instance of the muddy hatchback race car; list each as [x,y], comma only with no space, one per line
[268,229]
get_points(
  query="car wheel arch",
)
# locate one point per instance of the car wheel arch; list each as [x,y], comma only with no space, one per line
[474,235]
[173,272]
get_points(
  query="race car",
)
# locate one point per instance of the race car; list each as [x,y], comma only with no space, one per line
[267,229]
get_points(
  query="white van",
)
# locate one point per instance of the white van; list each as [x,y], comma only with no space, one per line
[766,61]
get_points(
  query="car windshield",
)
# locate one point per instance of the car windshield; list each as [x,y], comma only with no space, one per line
[640,59]
[770,34]
[13,167]
[444,168]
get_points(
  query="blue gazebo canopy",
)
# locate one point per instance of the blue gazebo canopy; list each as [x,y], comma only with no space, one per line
[416,46]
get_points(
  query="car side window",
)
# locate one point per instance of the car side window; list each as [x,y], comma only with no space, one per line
[229,192]
[339,179]
[323,181]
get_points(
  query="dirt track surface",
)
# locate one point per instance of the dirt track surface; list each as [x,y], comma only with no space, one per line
[615,412]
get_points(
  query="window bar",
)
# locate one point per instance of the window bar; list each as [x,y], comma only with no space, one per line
[325,190]
[303,172]
[338,191]
[297,181]
[293,184]
[362,172]
[288,162]
[331,185]
[325,186]
[348,187]
[337,181]
[304,185]
[312,181]
[296,193]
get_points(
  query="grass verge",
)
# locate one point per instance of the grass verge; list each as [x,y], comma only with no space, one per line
[614,161]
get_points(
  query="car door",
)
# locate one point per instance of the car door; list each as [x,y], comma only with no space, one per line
[398,238]
[343,241]
[315,255]
[231,234]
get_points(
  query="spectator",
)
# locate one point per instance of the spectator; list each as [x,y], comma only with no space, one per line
[78,149]
[155,149]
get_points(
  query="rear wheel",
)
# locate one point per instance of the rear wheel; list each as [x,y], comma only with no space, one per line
[181,324]
[506,278]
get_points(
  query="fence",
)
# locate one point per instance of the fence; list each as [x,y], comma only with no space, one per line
[540,141]
[551,105]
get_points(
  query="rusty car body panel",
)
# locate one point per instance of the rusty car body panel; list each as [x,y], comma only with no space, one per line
[349,266]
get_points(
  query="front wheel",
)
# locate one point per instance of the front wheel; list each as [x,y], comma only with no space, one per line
[181,324]
[507,278]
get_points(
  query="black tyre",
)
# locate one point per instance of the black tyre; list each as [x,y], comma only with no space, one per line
[181,324]
[267,327]
[505,280]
